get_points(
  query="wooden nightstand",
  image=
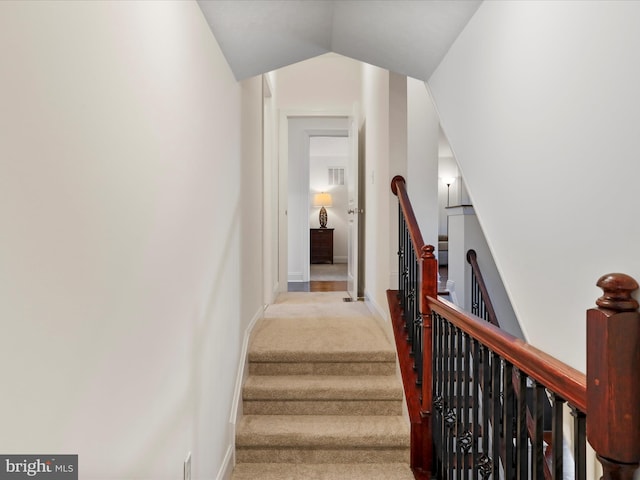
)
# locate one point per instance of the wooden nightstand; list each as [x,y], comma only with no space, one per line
[321,245]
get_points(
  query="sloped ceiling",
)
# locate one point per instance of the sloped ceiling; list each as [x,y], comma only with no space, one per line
[405,36]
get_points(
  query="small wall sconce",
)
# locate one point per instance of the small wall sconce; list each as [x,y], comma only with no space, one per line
[448,182]
[322,200]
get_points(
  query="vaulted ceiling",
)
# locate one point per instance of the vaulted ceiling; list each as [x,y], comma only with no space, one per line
[405,36]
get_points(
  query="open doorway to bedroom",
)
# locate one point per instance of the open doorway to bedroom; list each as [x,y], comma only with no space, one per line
[328,218]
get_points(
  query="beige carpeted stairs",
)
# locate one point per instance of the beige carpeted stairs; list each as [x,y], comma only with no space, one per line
[322,400]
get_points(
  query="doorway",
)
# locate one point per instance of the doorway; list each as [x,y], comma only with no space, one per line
[317,165]
[328,218]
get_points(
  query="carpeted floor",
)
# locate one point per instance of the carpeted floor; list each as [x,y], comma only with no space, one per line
[322,400]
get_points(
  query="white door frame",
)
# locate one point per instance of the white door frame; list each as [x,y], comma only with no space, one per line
[285,115]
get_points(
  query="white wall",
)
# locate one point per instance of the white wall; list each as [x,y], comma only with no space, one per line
[329,82]
[397,165]
[465,234]
[422,160]
[271,185]
[124,235]
[375,108]
[540,103]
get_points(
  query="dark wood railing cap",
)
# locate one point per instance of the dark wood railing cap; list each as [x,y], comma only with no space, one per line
[471,254]
[617,288]
[397,178]
[427,251]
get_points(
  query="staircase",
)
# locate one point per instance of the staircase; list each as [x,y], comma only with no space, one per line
[322,400]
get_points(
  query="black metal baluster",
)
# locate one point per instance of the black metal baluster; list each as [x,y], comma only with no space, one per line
[484,461]
[474,295]
[466,438]
[447,399]
[409,311]
[558,440]
[436,388]
[450,416]
[537,451]
[418,320]
[475,417]
[522,441]
[459,426]
[443,360]
[401,228]
[579,443]
[495,412]
[507,420]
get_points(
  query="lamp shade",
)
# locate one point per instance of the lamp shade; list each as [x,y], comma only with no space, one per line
[322,199]
[449,180]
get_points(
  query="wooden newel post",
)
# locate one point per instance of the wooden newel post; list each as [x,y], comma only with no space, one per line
[613,386]
[429,288]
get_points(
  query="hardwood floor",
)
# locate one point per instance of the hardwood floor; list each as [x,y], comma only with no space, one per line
[324,278]
[318,286]
[341,286]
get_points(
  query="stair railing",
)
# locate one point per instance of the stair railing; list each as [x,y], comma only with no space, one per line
[478,409]
[418,275]
[482,307]
[480,300]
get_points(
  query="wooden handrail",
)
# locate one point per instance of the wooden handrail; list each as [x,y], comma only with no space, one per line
[472,259]
[564,380]
[429,274]
[399,189]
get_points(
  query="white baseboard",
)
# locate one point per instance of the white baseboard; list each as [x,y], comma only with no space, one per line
[382,316]
[236,406]
[295,277]
[375,308]
[340,259]
[226,469]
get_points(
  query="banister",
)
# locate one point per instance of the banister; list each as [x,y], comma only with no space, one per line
[558,376]
[462,354]
[472,259]
[399,189]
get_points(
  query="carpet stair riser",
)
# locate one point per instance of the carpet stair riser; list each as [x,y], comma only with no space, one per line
[322,395]
[322,456]
[324,407]
[322,368]
[283,471]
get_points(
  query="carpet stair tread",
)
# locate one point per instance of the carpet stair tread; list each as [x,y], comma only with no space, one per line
[323,339]
[322,387]
[324,431]
[285,471]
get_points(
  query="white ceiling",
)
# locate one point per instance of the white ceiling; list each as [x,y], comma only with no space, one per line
[405,36]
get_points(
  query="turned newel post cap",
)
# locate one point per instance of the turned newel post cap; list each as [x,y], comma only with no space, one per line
[617,289]
[394,188]
[427,251]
